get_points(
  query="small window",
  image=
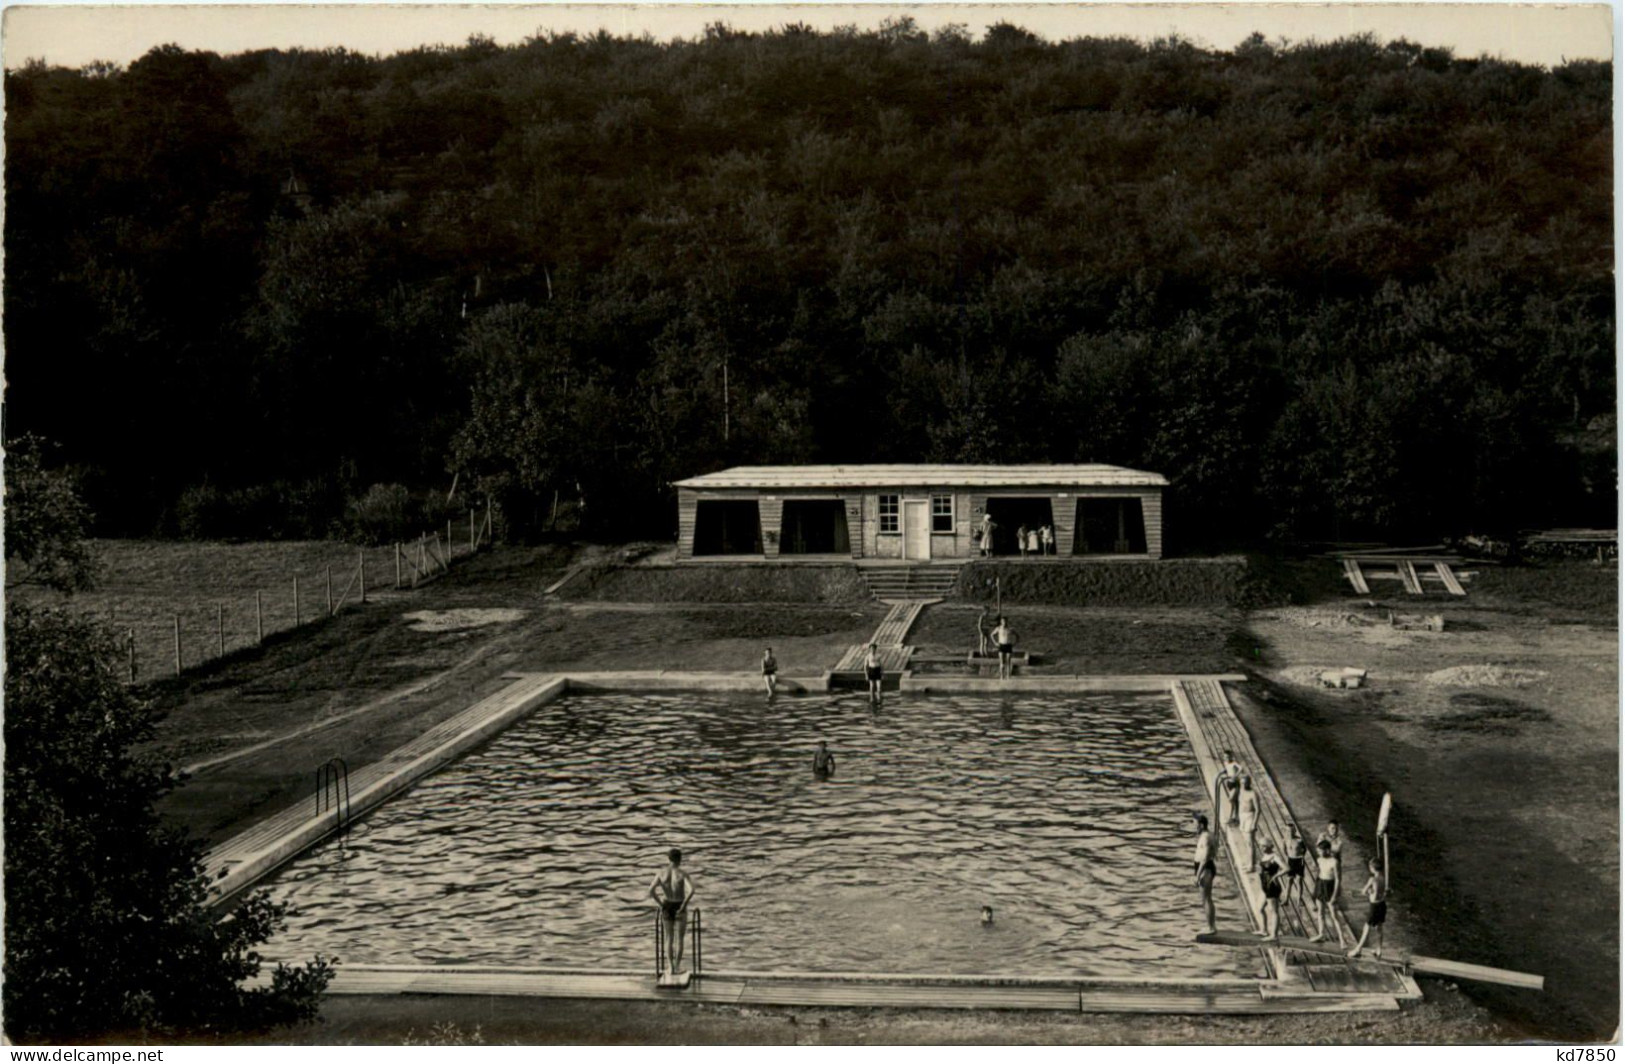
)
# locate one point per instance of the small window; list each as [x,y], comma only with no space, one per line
[942,513]
[888,513]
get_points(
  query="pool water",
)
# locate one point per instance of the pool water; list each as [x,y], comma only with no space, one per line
[1069,816]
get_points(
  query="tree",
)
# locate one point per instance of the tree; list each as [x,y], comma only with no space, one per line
[107,921]
[46,524]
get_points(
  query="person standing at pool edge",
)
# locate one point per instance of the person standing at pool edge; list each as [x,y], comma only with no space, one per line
[770,673]
[672,890]
[1206,870]
[874,672]
[1005,638]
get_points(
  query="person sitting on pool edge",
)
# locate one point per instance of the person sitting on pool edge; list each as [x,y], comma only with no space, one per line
[1206,870]
[874,672]
[672,891]
[1005,637]
[823,761]
[770,672]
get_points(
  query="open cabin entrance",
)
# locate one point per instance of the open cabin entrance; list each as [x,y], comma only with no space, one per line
[727,526]
[1109,526]
[1010,513]
[814,526]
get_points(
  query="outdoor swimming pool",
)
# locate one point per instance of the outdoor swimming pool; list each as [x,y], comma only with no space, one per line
[1069,816]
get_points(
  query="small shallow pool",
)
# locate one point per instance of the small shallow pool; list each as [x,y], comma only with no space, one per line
[1069,816]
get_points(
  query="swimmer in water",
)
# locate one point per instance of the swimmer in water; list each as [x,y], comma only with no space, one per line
[672,891]
[770,673]
[823,761]
[874,672]
[987,917]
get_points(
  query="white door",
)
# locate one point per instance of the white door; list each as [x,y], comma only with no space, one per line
[916,528]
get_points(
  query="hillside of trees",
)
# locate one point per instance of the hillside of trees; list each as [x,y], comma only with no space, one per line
[1331,290]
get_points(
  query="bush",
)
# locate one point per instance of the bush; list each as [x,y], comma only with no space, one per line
[385,514]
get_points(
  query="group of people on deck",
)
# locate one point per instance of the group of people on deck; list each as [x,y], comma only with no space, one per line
[1279,881]
[1031,540]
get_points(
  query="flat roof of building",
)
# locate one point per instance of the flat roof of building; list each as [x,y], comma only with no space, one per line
[927,476]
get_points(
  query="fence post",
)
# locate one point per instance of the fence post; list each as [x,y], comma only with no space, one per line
[259,620]
[330,591]
[397,567]
[490,533]
[448,542]
[473,544]
[220,627]
[296,602]
[177,644]
[361,557]
[132,655]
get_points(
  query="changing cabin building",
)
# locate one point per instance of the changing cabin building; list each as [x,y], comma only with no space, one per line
[916,513]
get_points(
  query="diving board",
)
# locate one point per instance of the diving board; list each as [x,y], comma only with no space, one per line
[1396,958]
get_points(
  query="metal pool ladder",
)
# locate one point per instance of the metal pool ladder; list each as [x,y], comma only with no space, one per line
[333,792]
[696,949]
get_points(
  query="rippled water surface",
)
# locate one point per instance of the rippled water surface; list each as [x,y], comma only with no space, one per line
[1067,815]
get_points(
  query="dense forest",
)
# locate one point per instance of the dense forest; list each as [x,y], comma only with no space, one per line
[1331,290]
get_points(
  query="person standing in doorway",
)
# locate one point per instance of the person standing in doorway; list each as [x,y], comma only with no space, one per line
[1021,539]
[1206,870]
[673,891]
[1046,537]
[770,673]
[874,672]
[1034,542]
[987,535]
[1004,637]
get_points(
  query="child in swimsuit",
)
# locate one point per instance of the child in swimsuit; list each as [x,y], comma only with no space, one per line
[1326,894]
[1376,910]
[1297,850]
[823,761]
[1270,876]
[1249,820]
[672,890]
[770,672]
[1006,640]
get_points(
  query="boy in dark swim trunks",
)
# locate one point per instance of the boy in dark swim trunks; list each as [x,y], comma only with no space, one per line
[672,890]
[1376,910]
[1296,851]
[1326,887]
[1206,870]
[1270,876]
[1005,637]
[770,672]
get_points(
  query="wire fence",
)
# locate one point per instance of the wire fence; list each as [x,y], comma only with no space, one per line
[165,631]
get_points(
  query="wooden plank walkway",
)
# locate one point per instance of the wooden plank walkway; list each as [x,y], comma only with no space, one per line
[892,659]
[241,861]
[814,991]
[899,619]
[1351,569]
[1448,578]
[1214,728]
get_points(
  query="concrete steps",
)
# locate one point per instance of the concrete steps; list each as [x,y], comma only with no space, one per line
[910,581]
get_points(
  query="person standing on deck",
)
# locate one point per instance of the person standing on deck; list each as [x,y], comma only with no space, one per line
[1333,837]
[672,891]
[1005,637]
[823,761]
[1269,877]
[1231,781]
[1296,852]
[981,633]
[1249,820]
[1021,539]
[874,672]
[770,673]
[1376,911]
[1326,890]
[1206,870]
